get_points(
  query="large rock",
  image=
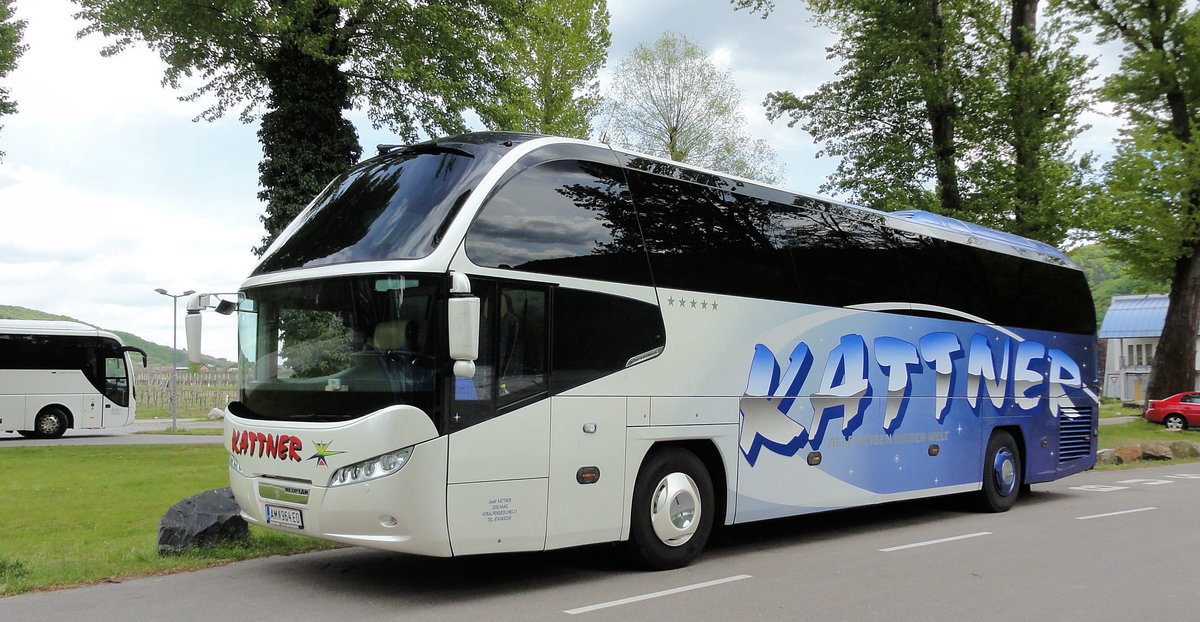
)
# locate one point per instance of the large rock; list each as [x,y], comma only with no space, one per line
[1185,449]
[1106,456]
[1129,453]
[204,519]
[1156,450]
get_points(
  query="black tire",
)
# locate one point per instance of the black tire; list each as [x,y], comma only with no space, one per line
[50,423]
[673,508]
[1002,477]
[1175,421]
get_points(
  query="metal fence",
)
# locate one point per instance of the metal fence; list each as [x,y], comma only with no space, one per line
[200,391]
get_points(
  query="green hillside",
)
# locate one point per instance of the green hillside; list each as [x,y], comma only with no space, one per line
[157,355]
[1108,276]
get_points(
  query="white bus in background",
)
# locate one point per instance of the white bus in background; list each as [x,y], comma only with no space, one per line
[504,342]
[56,376]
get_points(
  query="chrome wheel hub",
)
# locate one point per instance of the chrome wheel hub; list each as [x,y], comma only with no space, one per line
[675,509]
[1005,469]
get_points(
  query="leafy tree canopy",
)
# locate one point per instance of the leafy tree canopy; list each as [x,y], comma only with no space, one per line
[414,66]
[669,99]
[1109,276]
[939,106]
[11,49]
[554,58]
[1149,210]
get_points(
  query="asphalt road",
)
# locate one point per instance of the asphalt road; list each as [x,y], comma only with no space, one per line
[1109,545]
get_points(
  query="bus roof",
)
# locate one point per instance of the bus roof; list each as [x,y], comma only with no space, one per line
[52,327]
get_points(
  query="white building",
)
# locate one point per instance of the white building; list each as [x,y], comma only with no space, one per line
[1131,330]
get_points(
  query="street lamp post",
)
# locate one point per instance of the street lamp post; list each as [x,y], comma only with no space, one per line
[174,348]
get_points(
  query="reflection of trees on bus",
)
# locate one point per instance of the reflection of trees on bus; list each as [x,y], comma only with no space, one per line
[314,343]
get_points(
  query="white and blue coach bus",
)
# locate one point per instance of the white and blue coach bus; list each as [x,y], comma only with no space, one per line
[505,342]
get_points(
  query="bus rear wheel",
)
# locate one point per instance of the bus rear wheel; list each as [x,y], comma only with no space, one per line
[673,506]
[50,423]
[1001,473]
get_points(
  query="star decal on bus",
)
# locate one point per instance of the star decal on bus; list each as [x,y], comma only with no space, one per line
[323,452]
[684,303]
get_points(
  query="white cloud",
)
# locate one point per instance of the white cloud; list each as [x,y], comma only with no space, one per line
[721,57]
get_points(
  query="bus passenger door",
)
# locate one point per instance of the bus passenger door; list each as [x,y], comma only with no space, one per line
[587,476]
[499,427]
[116,392]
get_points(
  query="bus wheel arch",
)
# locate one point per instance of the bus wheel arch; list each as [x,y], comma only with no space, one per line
[51,422]
[1003,470]
[676,499]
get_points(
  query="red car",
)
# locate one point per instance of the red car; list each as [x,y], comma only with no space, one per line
[1176,412]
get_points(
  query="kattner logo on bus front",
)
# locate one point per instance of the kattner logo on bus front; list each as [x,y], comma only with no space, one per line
[283,446]
[1002,371]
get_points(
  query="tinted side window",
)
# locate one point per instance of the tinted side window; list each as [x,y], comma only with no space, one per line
[842,258]
[47,352]
[599,334]
[946,275]
[1032,294]
[565,217]
[1002,289]
[706,238]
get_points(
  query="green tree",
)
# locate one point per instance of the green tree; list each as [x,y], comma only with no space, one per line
[892,115]
[1149,213]
[939,106]
[11,49]
[554,59]
[668,99]
[1110,276]
[414,66]
[1032,91]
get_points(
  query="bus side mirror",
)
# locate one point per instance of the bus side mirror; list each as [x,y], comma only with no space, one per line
[462,324]
[192,324]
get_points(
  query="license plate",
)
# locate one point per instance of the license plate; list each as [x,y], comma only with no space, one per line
[285,517]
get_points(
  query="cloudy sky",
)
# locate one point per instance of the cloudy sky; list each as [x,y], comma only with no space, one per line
[110,190]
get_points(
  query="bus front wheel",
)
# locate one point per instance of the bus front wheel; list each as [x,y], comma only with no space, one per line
[673,508]
[50,423]
[1001,473]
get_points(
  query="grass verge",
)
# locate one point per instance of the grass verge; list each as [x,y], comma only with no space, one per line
[1141,431]
[179,431]
[1111,407]
[74,515]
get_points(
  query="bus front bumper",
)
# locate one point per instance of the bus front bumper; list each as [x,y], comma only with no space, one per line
[404,511]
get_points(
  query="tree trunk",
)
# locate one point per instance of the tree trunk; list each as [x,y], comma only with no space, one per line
[1174,367]
[306,141]
[1027,120]
[942,112]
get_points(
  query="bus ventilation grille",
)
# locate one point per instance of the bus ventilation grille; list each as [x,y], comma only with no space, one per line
[1074,433]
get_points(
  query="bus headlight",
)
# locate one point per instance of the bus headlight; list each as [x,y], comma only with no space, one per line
[373,468]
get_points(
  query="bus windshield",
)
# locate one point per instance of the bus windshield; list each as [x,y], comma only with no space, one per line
[339,348]
[391,207]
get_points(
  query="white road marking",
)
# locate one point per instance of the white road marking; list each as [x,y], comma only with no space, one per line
[1114,513]
[939,541]
[675,590]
